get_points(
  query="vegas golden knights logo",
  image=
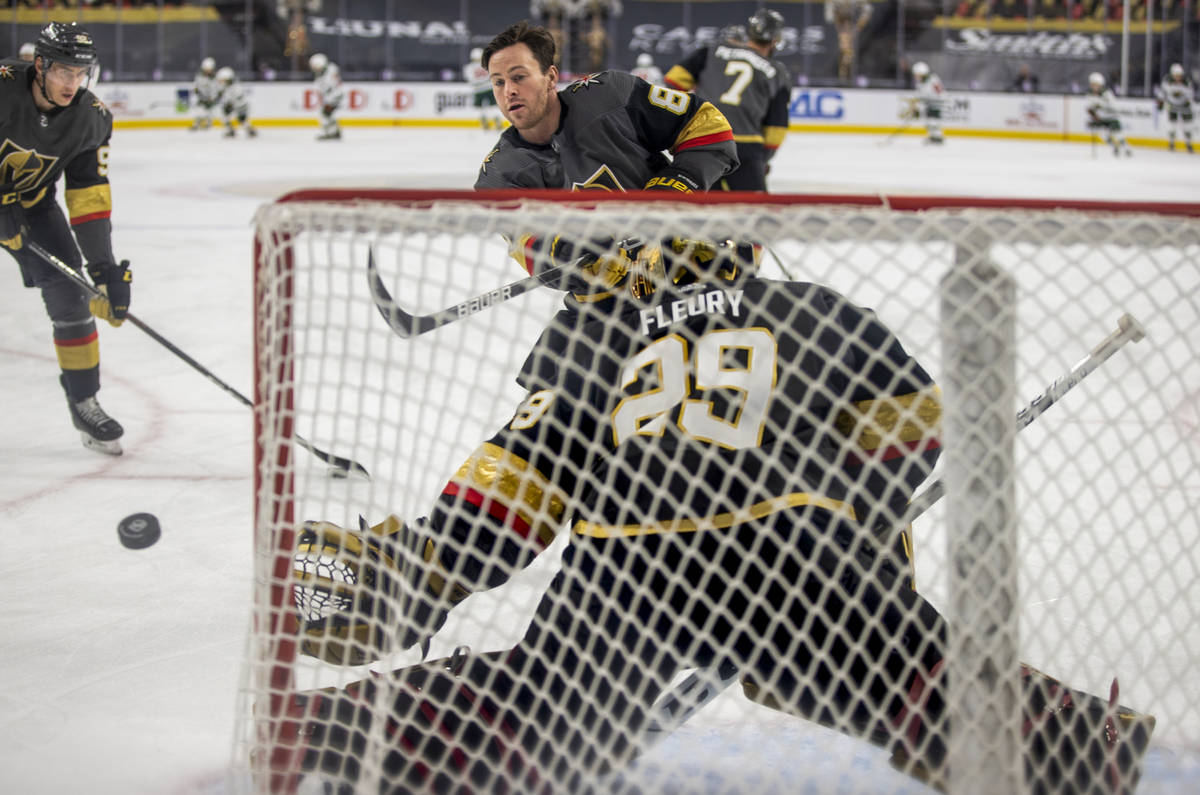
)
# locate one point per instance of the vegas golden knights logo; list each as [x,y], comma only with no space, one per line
[24,168]
[601,179]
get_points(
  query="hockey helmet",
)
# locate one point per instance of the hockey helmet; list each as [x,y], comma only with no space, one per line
[1096,80]
[645,59]
[920,70]
[318,62]
[765,27]
[225,75]
[679,262]
[476,55]
[68,44]
[735,34]
[1176,71]
[208,66]
[27,51]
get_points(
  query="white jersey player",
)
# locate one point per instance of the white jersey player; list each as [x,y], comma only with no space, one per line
[928,101]
[646,70]
[234,103]
[481,90]
[1103,115]
[205,92]
[327,83]
[1177,95]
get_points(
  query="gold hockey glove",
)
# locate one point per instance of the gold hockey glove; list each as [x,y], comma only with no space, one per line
[116,284]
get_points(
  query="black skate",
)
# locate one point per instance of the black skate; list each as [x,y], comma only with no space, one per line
[99,431]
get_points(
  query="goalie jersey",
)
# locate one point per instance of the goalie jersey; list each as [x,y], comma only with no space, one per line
[703,414]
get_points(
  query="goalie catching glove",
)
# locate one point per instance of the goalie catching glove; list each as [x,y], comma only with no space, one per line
[116,284]
[363,594]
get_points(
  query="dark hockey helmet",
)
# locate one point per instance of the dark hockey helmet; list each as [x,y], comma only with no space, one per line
[679,262]
[765,27]
[64,43]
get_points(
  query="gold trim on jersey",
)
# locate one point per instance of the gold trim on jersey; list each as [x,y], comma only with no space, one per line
[707,121]
[773,136]
[901,418]
[718,521]
[497,472]
[678,77]
[92,200]
[748,139]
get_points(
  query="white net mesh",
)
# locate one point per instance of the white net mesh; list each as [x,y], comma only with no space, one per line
[726,469]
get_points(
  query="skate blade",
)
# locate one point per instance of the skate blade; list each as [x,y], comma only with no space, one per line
[112,447]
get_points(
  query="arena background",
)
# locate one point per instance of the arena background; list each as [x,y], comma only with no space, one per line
[977,45]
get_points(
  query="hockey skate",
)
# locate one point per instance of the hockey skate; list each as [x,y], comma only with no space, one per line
[99,431]
[334,135]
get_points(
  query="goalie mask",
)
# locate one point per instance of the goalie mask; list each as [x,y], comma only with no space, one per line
[680,262]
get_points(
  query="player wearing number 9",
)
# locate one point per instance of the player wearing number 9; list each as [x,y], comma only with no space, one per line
[720,447]
[52,126]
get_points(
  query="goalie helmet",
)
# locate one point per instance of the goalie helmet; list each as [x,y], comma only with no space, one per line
[920,70]
[64,43]
[1176,71]
[318,62]
[1096,80]
[765,27]
[225,75]
[679,262]
[208,66]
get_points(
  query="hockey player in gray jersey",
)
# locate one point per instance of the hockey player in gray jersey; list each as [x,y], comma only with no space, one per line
[52,127]
[1177,95]
[750,88]
[606,132]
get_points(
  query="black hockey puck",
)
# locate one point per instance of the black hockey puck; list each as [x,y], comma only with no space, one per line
[139,530]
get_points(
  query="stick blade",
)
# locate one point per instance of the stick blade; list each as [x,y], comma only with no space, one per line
[397,319]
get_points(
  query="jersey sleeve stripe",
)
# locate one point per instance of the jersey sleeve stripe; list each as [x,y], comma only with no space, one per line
[513,490]
[680,78]
[718,521]
[707,126]
[89,204]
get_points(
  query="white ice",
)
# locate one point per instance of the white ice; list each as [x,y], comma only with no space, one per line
[119,667]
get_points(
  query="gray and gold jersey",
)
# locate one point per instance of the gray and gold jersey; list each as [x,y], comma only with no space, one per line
[752,91]
[614,131]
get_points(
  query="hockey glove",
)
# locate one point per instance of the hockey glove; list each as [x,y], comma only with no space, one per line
[361,594]
[115,282]
[12,219]
[671,179]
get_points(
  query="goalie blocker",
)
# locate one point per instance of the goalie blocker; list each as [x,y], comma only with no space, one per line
[740,526]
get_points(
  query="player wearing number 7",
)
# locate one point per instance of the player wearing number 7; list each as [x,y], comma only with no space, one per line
[750,87]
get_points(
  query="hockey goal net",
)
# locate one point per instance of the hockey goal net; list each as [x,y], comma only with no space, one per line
[1069,545]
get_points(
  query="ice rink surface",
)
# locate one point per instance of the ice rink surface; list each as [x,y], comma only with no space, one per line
[120,667]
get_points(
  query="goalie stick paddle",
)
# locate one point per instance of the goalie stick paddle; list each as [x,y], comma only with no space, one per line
[703,685]
[336,461]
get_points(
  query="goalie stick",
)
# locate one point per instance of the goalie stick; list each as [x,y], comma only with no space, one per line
[336,461]
[700,687]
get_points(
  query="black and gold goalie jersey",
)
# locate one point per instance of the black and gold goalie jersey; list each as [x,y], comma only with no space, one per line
[614,130]
[692,417]
[752,91]
[37,147]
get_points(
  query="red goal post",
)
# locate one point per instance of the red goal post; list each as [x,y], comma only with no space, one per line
[1102,493]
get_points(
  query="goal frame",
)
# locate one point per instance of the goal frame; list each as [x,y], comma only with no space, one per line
[274,480]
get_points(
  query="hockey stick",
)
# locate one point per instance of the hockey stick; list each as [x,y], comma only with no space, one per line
[702,686]
[907,123]
[335,461]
